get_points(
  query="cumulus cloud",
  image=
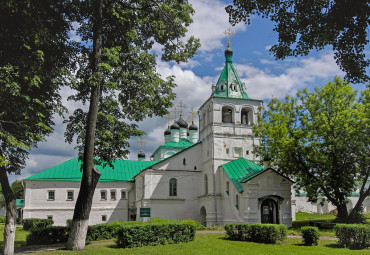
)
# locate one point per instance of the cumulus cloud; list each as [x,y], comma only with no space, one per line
[262,84]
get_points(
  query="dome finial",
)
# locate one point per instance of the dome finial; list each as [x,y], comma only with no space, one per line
[229,33]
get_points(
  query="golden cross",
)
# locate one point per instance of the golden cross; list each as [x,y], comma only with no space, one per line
[188,120]
[192,114]
[175,111]
[229,32]
[181,106]
[168,119]
[141,141]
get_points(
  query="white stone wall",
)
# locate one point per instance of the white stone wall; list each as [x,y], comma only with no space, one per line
[60,209]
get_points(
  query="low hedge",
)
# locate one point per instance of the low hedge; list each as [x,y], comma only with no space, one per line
[310,235]
[47,235]
[260,233]
[107,231]
[151,234]
[354,236]
[35,224]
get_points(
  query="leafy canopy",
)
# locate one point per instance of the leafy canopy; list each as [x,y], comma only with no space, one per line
[321,138]
[303,26]
[131,89]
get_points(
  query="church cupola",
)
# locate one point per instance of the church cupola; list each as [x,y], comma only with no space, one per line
[141,156]
[183,127]
[193,133]
[167,135]
[175,130]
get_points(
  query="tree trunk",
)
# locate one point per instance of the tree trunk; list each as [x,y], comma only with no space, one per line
[11,213]
[90,175]
[342,212]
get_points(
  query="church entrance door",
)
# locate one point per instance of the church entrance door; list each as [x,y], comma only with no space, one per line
[203,215]
[269,212]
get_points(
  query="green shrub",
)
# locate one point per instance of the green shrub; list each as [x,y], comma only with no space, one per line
[33,223]
[2,219]
[354,236]
[106,231]
[310,235]
[47,235]
[151,234]
[160,220]
[261,233]
[195,223]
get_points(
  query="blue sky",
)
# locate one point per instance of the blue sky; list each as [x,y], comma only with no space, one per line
[264,76]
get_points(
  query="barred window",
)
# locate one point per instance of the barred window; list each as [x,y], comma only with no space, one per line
[173,187]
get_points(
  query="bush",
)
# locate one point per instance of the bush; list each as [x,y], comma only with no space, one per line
[195,223]
[261,233]
[151,234]
[310,235]
[2,219]
[106,231]
[354,236]
[47,235]
[34,224]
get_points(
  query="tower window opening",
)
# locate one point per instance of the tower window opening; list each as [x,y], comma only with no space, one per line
[227,114]
[246,116]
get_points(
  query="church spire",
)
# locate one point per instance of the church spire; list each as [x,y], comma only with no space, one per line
[229,84]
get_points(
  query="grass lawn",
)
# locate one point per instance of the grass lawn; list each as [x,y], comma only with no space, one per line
[206,244]
[20,236]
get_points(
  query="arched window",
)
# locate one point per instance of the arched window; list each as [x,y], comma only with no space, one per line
[237,202]
[246,116]
[227,188]
[206,184]
[227,114]
[173,187]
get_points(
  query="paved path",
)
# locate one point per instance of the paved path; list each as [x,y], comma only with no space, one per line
[26,250]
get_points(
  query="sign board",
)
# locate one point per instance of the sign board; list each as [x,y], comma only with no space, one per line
[144,212]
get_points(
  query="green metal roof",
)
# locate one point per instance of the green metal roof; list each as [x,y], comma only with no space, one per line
[241,170]
[229,84]
[124,171]
[183,143]
[19,202]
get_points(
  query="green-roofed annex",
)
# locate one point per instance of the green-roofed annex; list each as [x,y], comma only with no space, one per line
[241,170]
[123,171]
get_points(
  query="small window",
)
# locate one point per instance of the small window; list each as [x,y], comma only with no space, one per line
[237,152]
[123,194]
[184,161]
[50,217]
[173,187]
[246,152]
[103,195]
[237,202]
[195,167]
[227,151]
[112,195]
[227,188]
[206,184]
[104,218]
[70,195]
[51,195]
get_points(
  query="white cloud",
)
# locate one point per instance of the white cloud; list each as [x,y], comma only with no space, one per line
[262,84]
[210,22]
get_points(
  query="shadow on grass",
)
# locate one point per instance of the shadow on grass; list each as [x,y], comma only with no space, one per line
[16,243]
[333,245]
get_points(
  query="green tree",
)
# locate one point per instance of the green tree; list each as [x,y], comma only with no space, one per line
[308,25]
[18,189]
[118,78]
[33,57]
[322,139]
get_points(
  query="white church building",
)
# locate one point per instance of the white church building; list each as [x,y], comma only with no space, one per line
[209,175]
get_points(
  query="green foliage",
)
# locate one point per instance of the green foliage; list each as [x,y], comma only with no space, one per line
[303,26]
[310,235]
[354,236]
[107,231]
[18,189]
[260,233]
[356,216]
[47,235]
[197,224]
[131,87]
[36,224]
[2,219]
[152,234]
[314,136]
